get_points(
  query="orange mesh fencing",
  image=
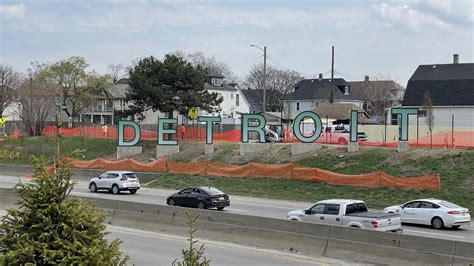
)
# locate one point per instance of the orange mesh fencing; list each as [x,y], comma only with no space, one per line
[287,171]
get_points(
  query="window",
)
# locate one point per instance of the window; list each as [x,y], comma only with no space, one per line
[413,204]
[332,209]
[346,90]
[318,209]
[448,204]
[122,103]
[355,208]
[232,96]
[237,100]
[186,191]
[427,205]
[297,106]
[112,176]
[212,191]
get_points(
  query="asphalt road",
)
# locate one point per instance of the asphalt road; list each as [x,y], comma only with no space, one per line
[148,248]
[250,206]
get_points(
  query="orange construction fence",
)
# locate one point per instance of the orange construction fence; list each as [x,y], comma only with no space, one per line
[281,171]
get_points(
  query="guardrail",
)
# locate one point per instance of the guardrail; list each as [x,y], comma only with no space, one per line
[307,238]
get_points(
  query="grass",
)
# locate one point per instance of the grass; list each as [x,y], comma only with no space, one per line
[455,173]
[45,146]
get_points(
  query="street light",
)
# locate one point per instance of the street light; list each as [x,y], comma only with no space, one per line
[264,49]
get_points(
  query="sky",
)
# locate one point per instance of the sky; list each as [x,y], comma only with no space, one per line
[389,38]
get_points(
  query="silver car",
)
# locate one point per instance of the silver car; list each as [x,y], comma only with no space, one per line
[115,181]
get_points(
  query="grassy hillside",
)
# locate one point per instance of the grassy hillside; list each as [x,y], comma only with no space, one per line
[456,168]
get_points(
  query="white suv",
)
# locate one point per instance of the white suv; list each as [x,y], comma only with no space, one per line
[115,181]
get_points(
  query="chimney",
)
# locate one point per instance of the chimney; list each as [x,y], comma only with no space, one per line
[455,59]
[366,78]
[320,76]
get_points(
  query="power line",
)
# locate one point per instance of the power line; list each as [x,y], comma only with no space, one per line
[246,62]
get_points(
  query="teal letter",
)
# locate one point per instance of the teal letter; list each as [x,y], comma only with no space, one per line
[404,113]
[162,130]
[209,120]
[353,127]
[246,128]
[317,126]
[121,133]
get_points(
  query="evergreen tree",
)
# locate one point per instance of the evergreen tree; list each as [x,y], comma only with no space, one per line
[48,228]
[168,85]
[192,256]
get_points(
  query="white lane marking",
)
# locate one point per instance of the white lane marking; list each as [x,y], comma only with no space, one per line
[237,210]
[423,232]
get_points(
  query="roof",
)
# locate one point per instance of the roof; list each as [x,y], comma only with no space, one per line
[343,201]
[309,89]
[358,88]
[448,85]
[224,87]
[118,91]
[255,100]
[341,111]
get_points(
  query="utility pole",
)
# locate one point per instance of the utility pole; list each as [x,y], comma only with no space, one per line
[264,80]
[332,77]
[264,49]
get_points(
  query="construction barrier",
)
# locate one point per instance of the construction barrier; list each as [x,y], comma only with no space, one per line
[252,170]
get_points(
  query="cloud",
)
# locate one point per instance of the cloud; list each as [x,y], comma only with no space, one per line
[13,11]
[416,17]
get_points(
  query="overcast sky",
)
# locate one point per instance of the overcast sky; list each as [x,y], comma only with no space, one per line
[370,37]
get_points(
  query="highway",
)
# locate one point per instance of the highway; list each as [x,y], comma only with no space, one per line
[248,206]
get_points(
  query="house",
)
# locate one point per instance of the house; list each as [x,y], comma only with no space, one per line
[234,103]
[310,93]
[451,88]
[374,96]
[255,100]
[341,113]
[103,110]
[378,95]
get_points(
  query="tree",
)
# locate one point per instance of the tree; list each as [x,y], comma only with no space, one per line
[75,87]
[211,64]
[192,256]
[168,85]
[279,83]
[9,82]
[48,228]
[429,119]
[117,71]
[36,98]
[380,93]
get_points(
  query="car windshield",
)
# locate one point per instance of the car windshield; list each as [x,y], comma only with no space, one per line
[130,175]
[212,190]
[448,204]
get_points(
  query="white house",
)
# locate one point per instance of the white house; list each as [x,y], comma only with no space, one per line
[234,102]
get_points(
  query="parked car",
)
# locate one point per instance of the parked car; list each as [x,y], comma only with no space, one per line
[434,212]
[199,197]
[339,135]
[115,181]
[346,212]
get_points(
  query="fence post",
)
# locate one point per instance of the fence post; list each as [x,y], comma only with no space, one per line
[452,131]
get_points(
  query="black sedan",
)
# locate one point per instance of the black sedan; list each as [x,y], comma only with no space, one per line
[199,197]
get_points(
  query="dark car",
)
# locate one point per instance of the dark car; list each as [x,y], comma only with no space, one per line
[199,197]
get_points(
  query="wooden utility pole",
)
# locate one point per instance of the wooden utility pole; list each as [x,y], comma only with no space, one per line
[332,77]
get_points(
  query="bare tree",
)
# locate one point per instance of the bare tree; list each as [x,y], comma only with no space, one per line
[279,83]
[117,71]
[429,119]
[380,92]
[36,99]
[211,64]
[9,82]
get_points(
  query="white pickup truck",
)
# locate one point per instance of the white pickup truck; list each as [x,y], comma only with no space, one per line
[351,213]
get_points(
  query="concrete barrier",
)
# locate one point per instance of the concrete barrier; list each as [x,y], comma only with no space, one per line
[307,238]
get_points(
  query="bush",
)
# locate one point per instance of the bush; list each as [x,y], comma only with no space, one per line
[192,256]
[49,229]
